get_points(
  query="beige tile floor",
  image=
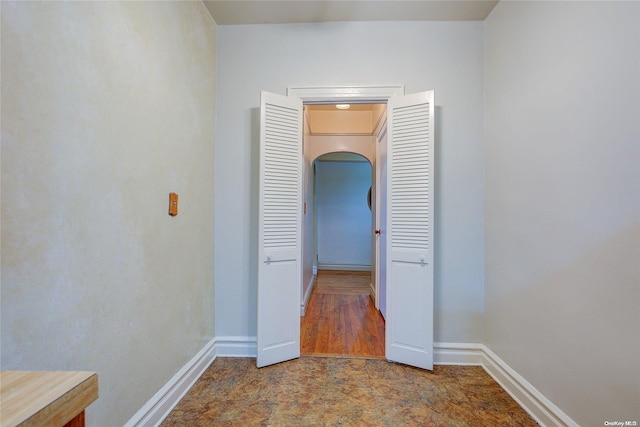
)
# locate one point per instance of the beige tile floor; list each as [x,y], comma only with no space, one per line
[323,391]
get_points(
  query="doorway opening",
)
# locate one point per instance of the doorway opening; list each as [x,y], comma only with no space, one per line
[406,234]
[340,314]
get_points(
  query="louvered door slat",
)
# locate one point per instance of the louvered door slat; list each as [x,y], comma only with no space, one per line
[409,335]
[279,230]
[410,166]
[281,148]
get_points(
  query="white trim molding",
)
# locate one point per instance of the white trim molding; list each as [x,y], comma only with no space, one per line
[160,405]
[344,267]
[528,397]
[307,295]
[453,353]
[236,346]
[345,94]
[541,409]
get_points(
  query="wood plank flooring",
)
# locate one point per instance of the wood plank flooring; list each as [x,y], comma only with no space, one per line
[341,318]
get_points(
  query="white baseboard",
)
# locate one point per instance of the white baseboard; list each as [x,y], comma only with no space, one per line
[526,395]
[344,267]
[447,353]
[535,403]
[372,292]
[236,346]
[307,295]
[159,406]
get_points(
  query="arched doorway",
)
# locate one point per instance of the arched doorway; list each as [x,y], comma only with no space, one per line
[343,220]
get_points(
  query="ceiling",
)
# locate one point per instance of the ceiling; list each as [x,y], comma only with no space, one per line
[238,12]
[352,107]
[359,119]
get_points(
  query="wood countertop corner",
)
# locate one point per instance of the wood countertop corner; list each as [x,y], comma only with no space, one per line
[45,398]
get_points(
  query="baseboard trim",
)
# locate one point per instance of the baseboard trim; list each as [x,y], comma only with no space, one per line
[452,353]
[307,295]
[372,292]
[160,405]
[236,346]
[541,409]
[528,397]
[344,267]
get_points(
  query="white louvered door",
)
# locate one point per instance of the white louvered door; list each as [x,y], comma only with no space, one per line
[409,238]
[279,260]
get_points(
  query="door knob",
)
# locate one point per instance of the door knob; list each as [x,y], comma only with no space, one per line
[378,231]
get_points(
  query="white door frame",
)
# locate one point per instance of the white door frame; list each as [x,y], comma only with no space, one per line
[345,94]
[381,138]
[350,95]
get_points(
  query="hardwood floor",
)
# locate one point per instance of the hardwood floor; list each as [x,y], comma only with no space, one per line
[341,318]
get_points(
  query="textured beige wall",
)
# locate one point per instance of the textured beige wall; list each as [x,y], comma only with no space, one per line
[106,108]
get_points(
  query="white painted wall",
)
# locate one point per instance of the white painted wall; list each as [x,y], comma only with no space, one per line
[344,218]
[562,87]
[319,145]
[106,108]
[445,56]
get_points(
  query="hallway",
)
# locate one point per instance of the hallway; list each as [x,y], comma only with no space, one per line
[341,319]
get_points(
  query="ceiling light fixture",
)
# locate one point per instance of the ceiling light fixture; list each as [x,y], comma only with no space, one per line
[343,106]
